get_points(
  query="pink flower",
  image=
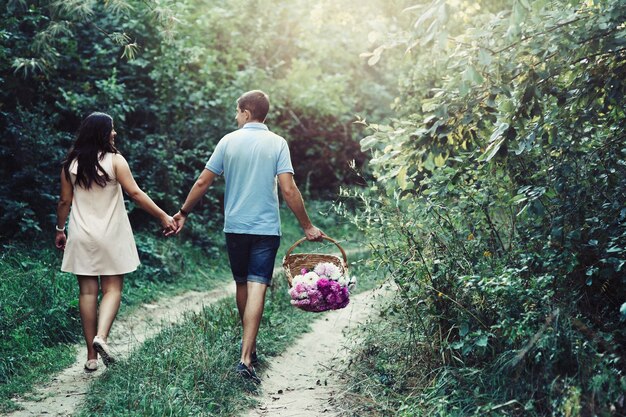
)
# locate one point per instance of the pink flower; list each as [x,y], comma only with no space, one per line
[301,303]
[298,291]
[342,304]
[314,296]
[323,285]
[331,299]
[321,295]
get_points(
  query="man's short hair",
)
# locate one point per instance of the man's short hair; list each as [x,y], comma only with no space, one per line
[256,102]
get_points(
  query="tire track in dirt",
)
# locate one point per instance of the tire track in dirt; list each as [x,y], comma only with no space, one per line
[65,392]
[304,380]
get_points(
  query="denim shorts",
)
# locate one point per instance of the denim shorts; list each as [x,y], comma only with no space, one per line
[252,257]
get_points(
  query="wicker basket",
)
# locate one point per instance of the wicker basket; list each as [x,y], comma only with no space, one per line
[293,263]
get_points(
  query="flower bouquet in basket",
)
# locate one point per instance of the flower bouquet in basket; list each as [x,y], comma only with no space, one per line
[322,282]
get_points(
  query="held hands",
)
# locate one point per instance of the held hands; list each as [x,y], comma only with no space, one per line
[179,222]
[169,225]
[312,233]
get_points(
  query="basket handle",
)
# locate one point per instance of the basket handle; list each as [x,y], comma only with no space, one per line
[343,252]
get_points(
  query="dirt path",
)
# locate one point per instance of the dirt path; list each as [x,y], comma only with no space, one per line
[63,395]
[304,379]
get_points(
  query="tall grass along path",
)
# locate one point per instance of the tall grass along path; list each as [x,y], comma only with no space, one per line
[63,395]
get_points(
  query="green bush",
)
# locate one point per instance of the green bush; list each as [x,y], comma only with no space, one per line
[169,74]
[500,193]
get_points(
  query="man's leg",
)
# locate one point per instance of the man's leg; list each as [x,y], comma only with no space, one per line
[260,270]
[241,297]
[239,254]
[253,311]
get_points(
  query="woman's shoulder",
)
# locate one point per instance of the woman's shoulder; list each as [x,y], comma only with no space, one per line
[117,162]
[117,158]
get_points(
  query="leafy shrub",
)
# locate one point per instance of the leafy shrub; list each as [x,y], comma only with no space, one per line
[169,75]
[500,195]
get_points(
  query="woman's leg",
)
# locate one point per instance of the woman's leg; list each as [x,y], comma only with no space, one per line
[110,303]
[88,306]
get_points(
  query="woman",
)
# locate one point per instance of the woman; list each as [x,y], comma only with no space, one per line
[100,243]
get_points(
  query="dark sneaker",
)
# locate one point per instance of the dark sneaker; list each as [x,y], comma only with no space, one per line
[247,372]
[254,359]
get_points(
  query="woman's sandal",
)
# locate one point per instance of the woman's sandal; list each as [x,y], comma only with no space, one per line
[103,350]
[91,365]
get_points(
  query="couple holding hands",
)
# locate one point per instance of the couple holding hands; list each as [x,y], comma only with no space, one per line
[100,248]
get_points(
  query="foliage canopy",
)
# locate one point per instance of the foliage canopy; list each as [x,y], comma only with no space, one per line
[501,194]
[169,73]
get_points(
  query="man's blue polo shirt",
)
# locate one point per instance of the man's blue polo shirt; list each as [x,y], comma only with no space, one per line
[250,159]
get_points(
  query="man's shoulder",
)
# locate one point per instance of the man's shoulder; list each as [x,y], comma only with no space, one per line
[274,135]
[254,133]
[230,135]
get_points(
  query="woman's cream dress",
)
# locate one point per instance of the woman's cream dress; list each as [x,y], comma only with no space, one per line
[100,240]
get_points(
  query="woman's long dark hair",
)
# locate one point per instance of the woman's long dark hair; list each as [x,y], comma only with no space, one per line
[92,143]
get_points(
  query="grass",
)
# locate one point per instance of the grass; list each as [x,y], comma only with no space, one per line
[39,320]
[396,372]
[387,369]
[187,369]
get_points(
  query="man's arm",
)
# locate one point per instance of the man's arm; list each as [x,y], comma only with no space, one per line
[198,190]
[292,196]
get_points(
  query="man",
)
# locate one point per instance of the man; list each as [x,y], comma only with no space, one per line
[251,159]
